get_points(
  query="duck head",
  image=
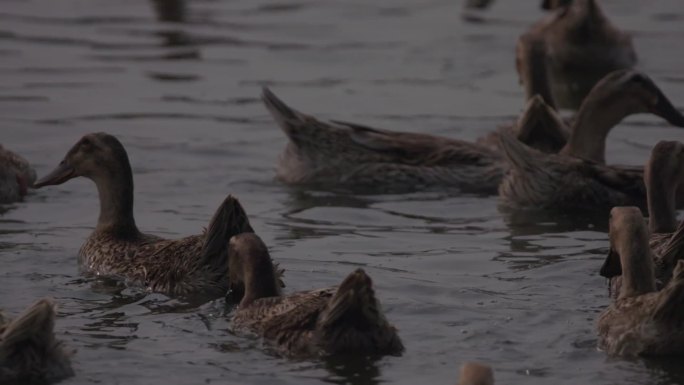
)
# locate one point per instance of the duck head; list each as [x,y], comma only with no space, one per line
[251,272]
[95,156]
[619,94]
[473,373]
[663,175]
[630,254]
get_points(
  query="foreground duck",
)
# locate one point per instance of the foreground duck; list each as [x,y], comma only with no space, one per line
[29,351]
[663,175]
[338,320]
[16,176]
[642,321]
[352,155]
[563,56]
[196,264]
[473,373]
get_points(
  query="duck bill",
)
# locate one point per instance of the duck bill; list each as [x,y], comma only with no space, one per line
[59,175]
[611,266]
[667,111]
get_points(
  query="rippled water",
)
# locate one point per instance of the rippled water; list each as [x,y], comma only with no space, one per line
[178,83]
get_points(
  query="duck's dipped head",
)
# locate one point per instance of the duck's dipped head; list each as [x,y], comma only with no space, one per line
[474,373]
[251,272]
[626,92]
[630,254]
[29,350]
[96,156]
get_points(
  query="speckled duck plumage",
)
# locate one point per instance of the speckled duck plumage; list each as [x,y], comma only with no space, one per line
[641,321]
[338,320]
[29,351]
[196,264]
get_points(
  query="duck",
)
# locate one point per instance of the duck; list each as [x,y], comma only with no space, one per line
[352,155]
[663,175]
[29,351]
[16,176]
[341,320]
[642,320]
[563,56]
[194,265]
[475,373]
[561,183]
[616,96]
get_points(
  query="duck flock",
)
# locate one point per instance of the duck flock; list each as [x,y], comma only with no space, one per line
[574,58]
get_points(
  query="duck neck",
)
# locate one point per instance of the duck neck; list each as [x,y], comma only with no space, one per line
[592,125]
[638,276]
[259,279]
[116,202]
[661,203]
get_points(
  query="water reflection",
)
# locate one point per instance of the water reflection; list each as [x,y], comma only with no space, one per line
[354,370]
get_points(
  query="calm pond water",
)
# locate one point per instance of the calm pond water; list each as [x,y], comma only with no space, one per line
[178,84]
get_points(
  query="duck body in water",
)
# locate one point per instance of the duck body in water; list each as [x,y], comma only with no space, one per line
[563,56]
[16,176]
[346,319]
[196,264]
[641,321]
[349,155]
[29,351]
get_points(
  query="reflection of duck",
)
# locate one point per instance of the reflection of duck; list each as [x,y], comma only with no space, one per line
[618,95]
[565,54]
[662,175]
[16,176]
[558,182]
[29,351]
[473,373]
[344,319]
[197,263]
[641,320]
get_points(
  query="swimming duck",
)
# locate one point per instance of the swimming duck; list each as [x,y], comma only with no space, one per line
[474,373]
[619,94]
[16,176]
[566,53]
[195,264]
[338,320]
[663,175]
[642,321]
[349,154]
[29,351]
[559,182]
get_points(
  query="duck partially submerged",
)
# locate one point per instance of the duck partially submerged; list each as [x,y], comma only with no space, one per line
[564,55]
[663,175]
[338,320]
[16,176]
[197,264]
[29,351]
[559,182]
[474,373]
[642,321]
[348,154]
[618,95]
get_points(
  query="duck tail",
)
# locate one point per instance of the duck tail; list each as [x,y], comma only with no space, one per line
[519,155]
[35,324]
[230,219]
[353,300]
[674,250]
[540,127]
[669,308]
[291,121]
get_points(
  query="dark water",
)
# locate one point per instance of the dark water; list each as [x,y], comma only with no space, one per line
[180,88]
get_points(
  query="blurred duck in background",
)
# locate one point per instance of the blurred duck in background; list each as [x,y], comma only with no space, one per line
[16,176]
